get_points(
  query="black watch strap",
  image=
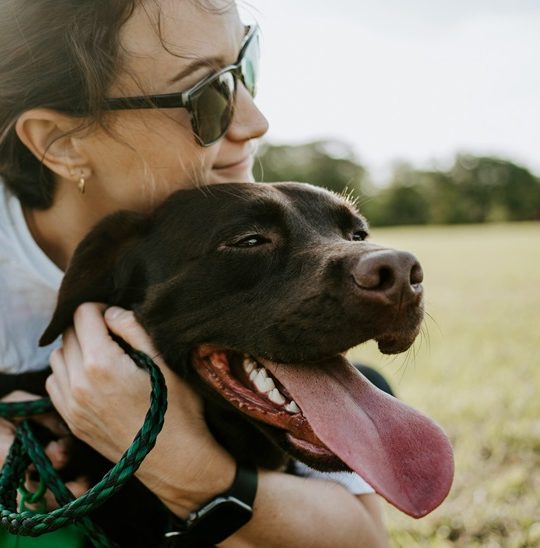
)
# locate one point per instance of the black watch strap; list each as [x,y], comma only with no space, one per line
[221,517]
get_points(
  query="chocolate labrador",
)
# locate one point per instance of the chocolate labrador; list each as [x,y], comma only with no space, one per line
[253,293]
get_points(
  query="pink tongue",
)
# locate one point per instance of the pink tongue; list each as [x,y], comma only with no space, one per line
[402,454]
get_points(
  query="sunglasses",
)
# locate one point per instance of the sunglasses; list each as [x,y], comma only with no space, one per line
[211,101]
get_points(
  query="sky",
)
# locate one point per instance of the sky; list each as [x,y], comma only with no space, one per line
[412,81]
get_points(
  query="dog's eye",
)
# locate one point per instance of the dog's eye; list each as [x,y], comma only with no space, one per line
[253,240]
[359,236]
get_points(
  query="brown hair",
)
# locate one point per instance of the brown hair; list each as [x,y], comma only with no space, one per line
[58,54]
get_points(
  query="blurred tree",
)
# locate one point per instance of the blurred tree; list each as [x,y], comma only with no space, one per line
[443,200]
[401,203]
[330,164]
[495,189]
[475,189]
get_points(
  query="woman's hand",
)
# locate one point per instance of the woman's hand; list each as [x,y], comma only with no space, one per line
[103,397]
[57,450]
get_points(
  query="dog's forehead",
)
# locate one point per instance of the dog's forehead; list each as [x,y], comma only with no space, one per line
[279,204]
[313,196]
[305,199]
[322,208]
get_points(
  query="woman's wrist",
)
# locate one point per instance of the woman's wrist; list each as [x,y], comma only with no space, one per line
[186,486]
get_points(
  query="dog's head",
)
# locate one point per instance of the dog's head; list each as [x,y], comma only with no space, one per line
[263,287]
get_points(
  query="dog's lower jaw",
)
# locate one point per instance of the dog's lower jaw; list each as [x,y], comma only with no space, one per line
[398,341]
[402,331]
[395,344]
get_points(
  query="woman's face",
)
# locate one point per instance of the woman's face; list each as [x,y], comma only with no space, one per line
[150,153]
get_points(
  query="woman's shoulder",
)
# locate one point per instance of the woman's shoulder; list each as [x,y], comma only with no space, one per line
[9,206]
[17,246]
[12,226]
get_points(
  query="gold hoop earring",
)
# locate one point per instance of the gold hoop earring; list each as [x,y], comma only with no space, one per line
[82,185]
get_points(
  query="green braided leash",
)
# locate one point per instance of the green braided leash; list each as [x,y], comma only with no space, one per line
[25,450]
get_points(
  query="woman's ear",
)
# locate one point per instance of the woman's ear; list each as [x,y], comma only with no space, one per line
[51,137]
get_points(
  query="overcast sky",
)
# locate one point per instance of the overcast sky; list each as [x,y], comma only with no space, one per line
[415,80]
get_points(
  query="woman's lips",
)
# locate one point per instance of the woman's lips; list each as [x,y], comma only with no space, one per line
[240,164]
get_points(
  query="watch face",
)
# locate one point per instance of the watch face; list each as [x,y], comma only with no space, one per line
[218,520]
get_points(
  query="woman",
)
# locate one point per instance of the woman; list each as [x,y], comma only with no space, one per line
[69,155]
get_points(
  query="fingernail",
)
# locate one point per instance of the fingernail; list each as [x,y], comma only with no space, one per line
[113,312]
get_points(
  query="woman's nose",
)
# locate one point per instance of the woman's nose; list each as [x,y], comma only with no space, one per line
[248,121]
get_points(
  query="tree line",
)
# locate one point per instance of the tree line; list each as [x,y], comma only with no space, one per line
[473,189]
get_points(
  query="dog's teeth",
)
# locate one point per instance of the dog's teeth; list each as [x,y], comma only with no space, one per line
[263,383]
[276,397]
[260,383]
[253,375]
[270,385]
[249,365]
[292,407]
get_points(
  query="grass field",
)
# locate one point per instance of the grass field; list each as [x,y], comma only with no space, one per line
[476,370]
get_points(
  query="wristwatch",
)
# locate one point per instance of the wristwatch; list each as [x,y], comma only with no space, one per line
[219,518]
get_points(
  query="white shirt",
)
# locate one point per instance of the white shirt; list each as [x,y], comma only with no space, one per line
[29,283]
[350,480]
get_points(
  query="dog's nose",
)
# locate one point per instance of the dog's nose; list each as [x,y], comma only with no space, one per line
[395,274]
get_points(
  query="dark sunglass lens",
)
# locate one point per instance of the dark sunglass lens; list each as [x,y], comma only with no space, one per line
[213,108]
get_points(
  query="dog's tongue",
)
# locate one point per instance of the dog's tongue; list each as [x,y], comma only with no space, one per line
[402,454]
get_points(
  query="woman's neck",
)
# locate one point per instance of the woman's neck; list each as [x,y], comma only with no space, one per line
[59,229]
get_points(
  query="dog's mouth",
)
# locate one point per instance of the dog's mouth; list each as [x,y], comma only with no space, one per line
[330,412]
[255,391]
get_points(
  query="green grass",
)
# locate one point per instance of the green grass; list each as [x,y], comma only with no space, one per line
[476,370]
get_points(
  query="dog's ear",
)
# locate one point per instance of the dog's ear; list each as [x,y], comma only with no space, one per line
[103,269]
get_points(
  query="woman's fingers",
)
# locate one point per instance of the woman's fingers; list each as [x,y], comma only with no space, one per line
[58,452]
[101,359]
[90,328]
[77,488]
[60,372]
[19,395]
[123,323]
[51,421]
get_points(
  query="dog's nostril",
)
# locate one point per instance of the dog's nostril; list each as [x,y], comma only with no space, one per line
[417,274]
[386,278]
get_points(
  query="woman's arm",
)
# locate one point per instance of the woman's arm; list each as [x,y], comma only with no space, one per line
[290,512]
[103,397]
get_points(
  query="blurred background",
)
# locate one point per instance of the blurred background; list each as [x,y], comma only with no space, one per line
[428,113]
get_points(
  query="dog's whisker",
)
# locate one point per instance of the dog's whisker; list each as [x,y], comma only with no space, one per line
[425,336]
